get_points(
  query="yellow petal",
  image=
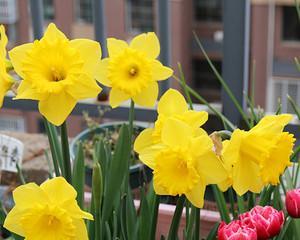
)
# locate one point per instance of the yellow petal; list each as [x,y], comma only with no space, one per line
[101,72]
[143,140]
[84,87]
[148,96]
[90,53]
[74,210]
[52,33]
[207,161]
[17,56]
[274,123]
[115,46]
[12,221]
[148,155]
[116,97]
[246,177]
[27,195]
[58,190]
[225,184]
[176,133]
[80,230]
[196,196]
[195,119]
[57,107]
[160,72]
[147,43]
[25,91]
[3,41]
[159,190]
[171,103]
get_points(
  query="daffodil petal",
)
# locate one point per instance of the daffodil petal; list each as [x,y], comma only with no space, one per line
[102,72]
[12,221]
[273,123]
[116,97]
[17,56]
[3,42]
[52,33]
[196,195]
[147,97]
[57,107]
[225,184]
[80,230]
[159,190]
[171,103]
[27,194]
[194,118]
[148,155]
[85,87]
[90,52]
[147,43]
[74,210]
[25,91]
[160,72]
[58,190]
[176,133]
[143,140]
[115,46]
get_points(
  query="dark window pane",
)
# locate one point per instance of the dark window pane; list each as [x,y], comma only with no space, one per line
[204,80]
[208,10]
[84,11]
[140,15]
[48,9]
[291,24]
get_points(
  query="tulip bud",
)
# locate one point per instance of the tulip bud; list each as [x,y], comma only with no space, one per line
[292,203]
[236,230]
[267,221]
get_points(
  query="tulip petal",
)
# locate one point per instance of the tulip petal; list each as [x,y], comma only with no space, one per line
[171,103]
[147,97]
[147,43]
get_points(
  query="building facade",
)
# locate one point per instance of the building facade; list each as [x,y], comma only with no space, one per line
[274,43]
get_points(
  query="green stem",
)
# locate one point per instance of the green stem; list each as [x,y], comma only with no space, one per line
[182,77]
[131,118]
[197,225]
[221,203]
[231,199]
[241,204]
[176,218]
[154,217]
[66,152]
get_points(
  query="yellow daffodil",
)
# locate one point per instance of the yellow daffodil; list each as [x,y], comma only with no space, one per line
[183,163]
[6,80]
[171,105]
[258,157]
[57,72]
[48,212]
[132,71]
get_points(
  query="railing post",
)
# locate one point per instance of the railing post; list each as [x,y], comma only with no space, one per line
[37,18]
[236,19]
[164,32]
[99,24]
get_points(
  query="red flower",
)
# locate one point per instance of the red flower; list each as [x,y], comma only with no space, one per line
[292,203]
[267,221]
[236,230]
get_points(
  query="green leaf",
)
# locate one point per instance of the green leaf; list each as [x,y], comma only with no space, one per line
[117,172]
[145,214]
[66,161]
[213,233]
[221,203]
[78,178]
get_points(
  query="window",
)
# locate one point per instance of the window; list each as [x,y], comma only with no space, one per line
[204,80]
[290,24]
[208,10]
[85,11]
[282,88]
[48,9]
[140,15]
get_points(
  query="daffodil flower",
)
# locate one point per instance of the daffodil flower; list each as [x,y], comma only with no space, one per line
[57,72]
[258,157]
[6,81]
[183,163]
[48,212]
[132,71]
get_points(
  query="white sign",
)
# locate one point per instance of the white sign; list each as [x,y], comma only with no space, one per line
[8,11]
[11,153]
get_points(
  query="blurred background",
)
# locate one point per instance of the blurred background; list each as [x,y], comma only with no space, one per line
[274,41]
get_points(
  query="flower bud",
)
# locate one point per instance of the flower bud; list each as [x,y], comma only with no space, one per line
[236,230]
[267,221]
[292,203]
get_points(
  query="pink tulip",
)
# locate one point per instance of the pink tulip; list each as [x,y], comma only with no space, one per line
[267,221]
[236,230]
[292,203]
